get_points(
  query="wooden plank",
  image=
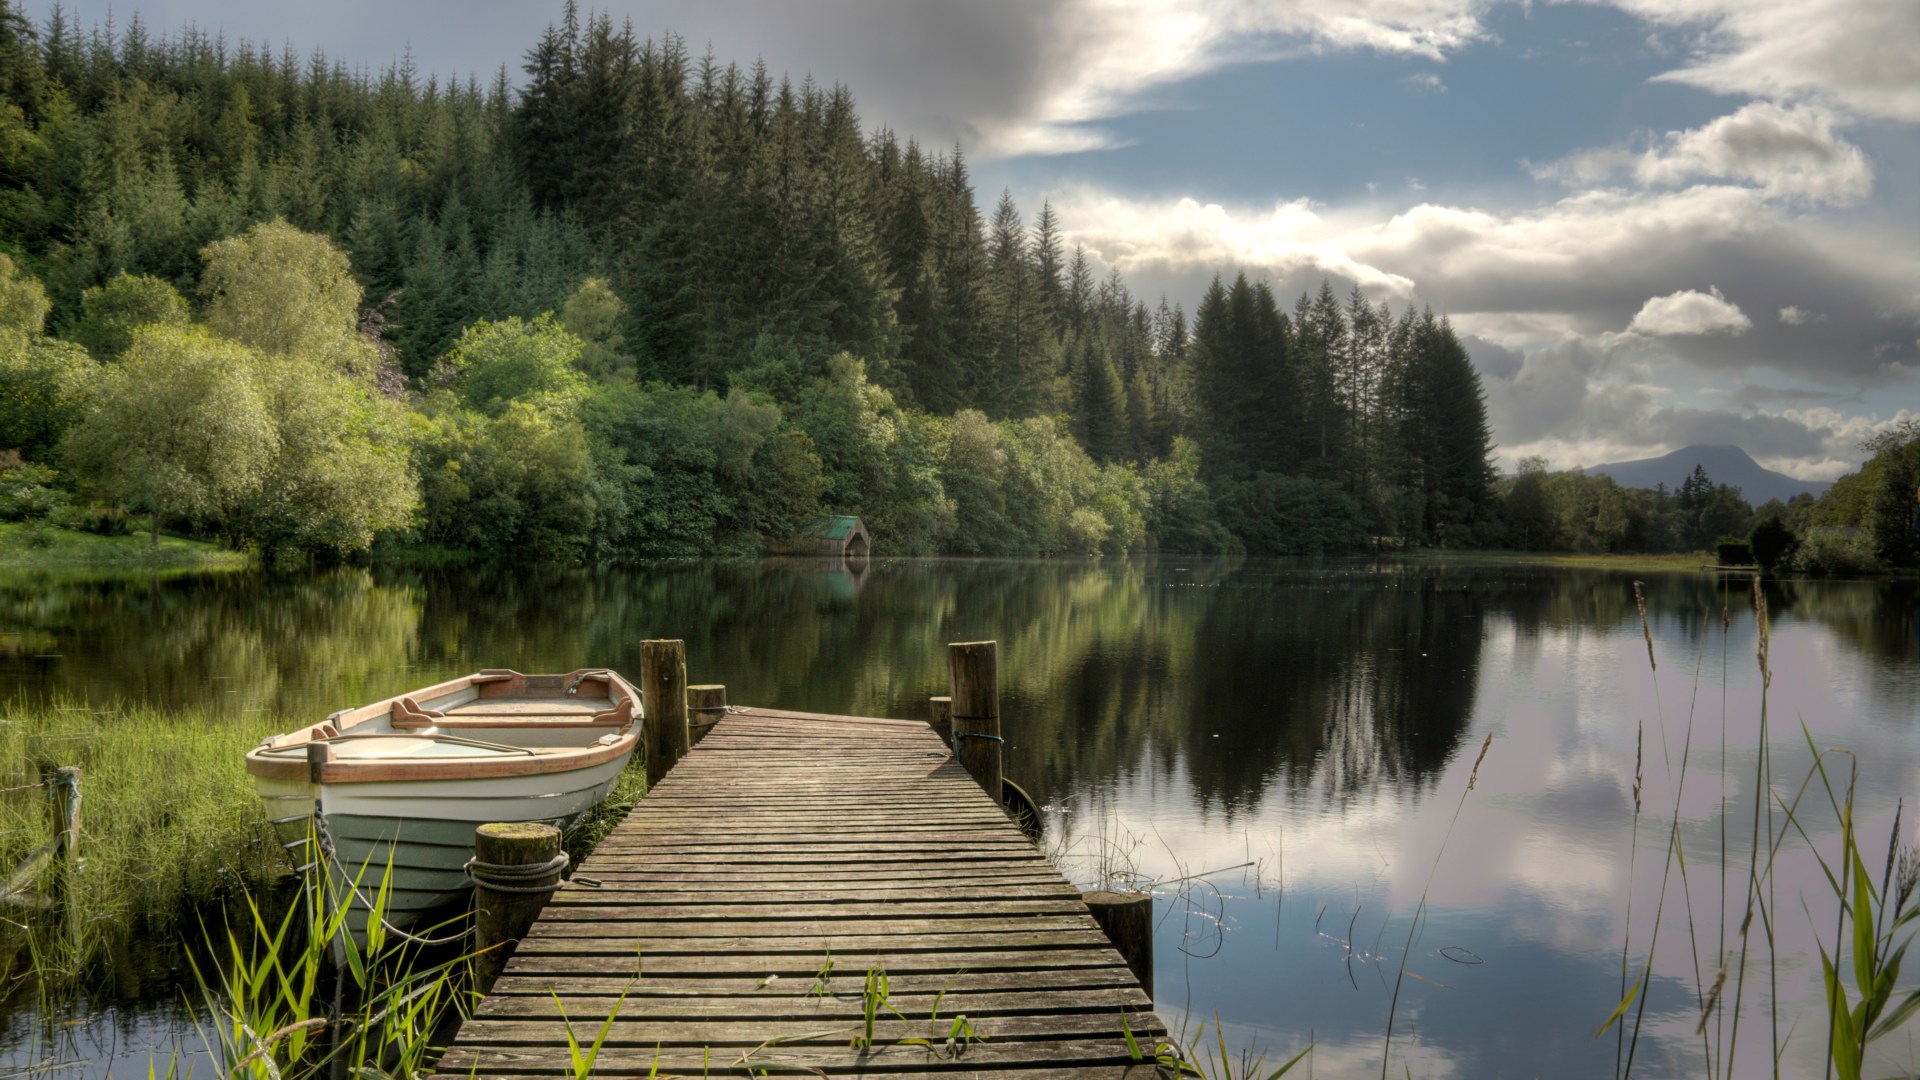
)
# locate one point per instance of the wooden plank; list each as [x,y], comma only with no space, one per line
[655,984]
[786,842]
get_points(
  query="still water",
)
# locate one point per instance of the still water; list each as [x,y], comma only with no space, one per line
[1282,751]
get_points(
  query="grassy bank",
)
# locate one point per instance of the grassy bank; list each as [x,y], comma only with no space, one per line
[168,815]
[40,546]
[1691,560]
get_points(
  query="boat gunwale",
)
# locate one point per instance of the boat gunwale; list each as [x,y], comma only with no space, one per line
[267,761]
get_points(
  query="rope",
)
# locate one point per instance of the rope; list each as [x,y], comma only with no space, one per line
[26,787]
[513,877]
[958,735]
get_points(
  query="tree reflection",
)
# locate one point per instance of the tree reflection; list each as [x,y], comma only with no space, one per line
[1242,674]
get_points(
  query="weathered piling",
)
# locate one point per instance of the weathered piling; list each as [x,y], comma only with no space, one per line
[663,690]
[973,668]
[1128,920]
[515,868]
[940,717]
[706,704]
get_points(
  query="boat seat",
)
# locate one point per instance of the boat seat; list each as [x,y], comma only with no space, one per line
[508,712]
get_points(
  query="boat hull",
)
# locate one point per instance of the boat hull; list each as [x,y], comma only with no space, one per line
[416,838]
[389,815]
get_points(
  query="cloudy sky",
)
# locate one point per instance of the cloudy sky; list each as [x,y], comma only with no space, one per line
[1657,222]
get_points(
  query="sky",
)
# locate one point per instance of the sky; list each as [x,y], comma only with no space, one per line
[1654,222]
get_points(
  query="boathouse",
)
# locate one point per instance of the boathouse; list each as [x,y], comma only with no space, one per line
[842,535]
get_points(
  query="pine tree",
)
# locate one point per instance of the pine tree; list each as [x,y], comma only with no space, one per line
[1049,269]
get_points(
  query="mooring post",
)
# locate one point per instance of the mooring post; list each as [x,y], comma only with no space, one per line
[1128,920]
[940,718]
[515,868]
[663,690]
[974,669]
[706,704]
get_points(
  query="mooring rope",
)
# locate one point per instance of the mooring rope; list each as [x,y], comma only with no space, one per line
[958,735]
[513,877]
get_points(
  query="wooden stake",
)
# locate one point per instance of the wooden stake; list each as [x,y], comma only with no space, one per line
[1128,920]
[940,713]
[66,809]
[502,913]
[973,667]
[663,690]
[706,704]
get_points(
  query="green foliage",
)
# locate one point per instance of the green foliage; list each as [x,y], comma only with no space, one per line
[1180,514]
[1733,551]
[1772,541]
[1292,515]
[181,426]
[514,360]
[1836,551]
[339,471]
[43,386]
[29,492]
[23,300]
[98,520]
[517,482]
[286,293]
[110,313]
[593,314]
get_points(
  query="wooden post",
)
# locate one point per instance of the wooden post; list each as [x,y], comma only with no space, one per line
[66,811]
[973,667]
[506,903]
[940,718]
[1128,920]
[663,690]
[706,704]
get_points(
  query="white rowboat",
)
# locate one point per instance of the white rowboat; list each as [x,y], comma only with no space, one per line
[404,781]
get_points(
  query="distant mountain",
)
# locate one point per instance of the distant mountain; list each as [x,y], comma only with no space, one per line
[1724,464]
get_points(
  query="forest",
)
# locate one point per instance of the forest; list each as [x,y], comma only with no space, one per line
[630,302]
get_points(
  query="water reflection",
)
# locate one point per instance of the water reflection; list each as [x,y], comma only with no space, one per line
[1312,726]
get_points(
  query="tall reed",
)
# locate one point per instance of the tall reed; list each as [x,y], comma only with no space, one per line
[272,1018]
[1872,928]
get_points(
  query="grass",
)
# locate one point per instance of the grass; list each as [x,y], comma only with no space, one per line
[168,816]
[33,546]
[1872,927]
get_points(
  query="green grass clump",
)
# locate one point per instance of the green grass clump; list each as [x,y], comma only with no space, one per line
[168,813]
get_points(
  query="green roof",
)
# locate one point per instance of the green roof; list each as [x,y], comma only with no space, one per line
[838,527]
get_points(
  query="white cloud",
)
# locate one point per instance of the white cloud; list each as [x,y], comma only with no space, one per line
[1425,82]
[1786,152]
[1855,55]
[1186,235]
[1108,54]
[1690,312]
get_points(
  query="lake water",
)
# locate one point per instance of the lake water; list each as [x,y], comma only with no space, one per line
[1282,750]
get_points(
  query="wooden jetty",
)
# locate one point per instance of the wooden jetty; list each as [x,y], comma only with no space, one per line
[748,911]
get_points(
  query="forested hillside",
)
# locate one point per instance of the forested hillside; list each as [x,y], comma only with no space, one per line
[633,302]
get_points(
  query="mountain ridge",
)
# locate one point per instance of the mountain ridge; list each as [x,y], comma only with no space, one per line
[1724,464]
